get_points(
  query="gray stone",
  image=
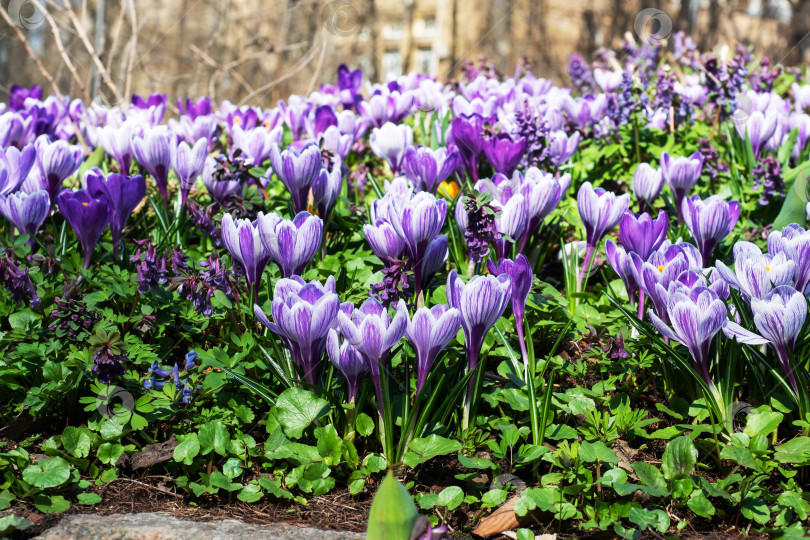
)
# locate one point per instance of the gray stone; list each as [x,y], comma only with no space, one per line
[163,526]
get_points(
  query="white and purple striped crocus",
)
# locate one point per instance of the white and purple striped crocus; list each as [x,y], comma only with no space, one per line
[779,317]
[88,215]
[521,273]
[303,313]
[243,240]
[14,167]
[427,168]
[117,142]
[681,174]
[154,153]
[390,141]
[123,194]
[600,212]
[256,143]
[429,331]
[26,211]
[759,126]
[56,161]
[654,275]
[326,188]
[709,221]
[291,244]
[756,274]
[188,163]
[297,171]
[647,184]
[221,191]
[695,317]
[620,260]
[542,192]
[348,361]
[794,242]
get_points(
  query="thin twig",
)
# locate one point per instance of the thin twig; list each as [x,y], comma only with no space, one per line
[222,67]
[30,52]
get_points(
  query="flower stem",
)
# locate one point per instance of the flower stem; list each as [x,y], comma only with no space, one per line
[586,266]
[641,305]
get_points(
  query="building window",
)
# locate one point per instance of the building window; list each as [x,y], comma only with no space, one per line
[429,27]
[391,63]
[393,31]
[422,59]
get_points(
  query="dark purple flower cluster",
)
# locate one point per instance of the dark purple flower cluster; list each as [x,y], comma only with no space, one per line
[18,282]
[685,50]
[183,390]
[615,347]
[394,285]
[712,165]
[199,286]
[203,220]
[768,175]
[664,90]
[622,103]
[580,73]
[763,78]
[723,83]
[108,366]
[481,230]
[150,266]
[70,318]
[534,130]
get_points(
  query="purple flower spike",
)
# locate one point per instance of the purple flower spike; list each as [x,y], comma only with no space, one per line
[15,166]
[521,273]
[154,153]
[504,153]
[600,211]
[303,314]
[188,163]
[427,168]
[794,242]
[779,319]
[695,317]
[372,332]
[429,331]
[56,161]
[291,244]
[709,221]
[27,211]
[348,361]
[123,194]
[87,215]
[297,171]
[243,241]
[117,142]
[647,184]
[642,234]
[326,189]
[681,173]
[390,141]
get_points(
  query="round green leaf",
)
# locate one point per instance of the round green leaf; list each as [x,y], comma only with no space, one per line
[47,473]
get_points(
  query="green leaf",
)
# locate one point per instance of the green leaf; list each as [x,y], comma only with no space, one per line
[427,448]
[796,450]
[654,519]
[11,523]
[679,458]
[273,487]
[794,209]
[524,534]
[739,455]
[250,493]
[187,450]
[223,482]
[51,505]
[700,505]
[364,425]
[47,473]
[451,497]
[108,453]
[89,499]
[755,509]
[374,464]
[393,512]
[19,320]
[597,451]
[214,436]
[232,468]
[649,474]
[762,421]
[76,441]
[493,498]
[296,409]
[330,445]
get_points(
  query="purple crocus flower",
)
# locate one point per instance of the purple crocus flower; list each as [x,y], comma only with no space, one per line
[779,319]
[642,234]
[149,110]
[435,257]
[123,194]
[429,331]
[291,244]
[154,153]
[562,146]
[384,241]
[303,314]
[256,143]
[188,163]
[521,273]
[695,319]
[243,240]
[600,212]
[709,221]
[427,168]
[417,221]
[371,331]
[620,260]
[348,361]
[681,173]
[755,274]
[510,222]
[192,109]
[27,211]
[794,242]
[390,141]
[349,83]
[481,302]
[326,189]
[542,192]
[18,94]
[647,184]
[654,275]
[56,161]
[117,142]
[468,136]
[504,152]
[15,166]
[87,215]
[297,171]
[760,127]
[220,190]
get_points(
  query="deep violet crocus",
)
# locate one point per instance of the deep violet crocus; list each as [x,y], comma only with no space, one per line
[297,171]
[123,194]
[56,161]
[427,168]
[600,212]
[521,273]
[429,331]
[303,313]
[642,234]
[620,260]
[709,221]
[504,152]
[291,244]
[779,319]
[154,153]
[681,173]
[87,215]
[188,163]
[468,136]
[695,316]
[27,211]
[481,302]
[348,361]
[243,240]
